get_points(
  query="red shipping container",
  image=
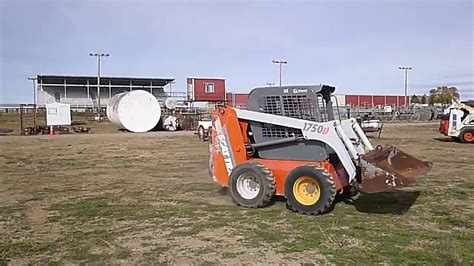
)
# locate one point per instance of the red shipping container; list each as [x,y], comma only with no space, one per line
[379,100]
[374,100]
[365,100]
[237,100]
[352,100]
[392,100]
[401,100]
[206,89]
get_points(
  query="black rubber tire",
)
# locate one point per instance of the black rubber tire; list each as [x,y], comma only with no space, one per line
[464,131]
[207,134]
[263,176]
[326,184]
[201,132]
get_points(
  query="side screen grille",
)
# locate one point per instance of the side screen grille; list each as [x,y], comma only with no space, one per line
[271,105]
[272,131]
[295,106]
[298,106]
[321,107]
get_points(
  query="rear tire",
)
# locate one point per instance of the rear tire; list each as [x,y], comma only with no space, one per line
[467,135]
[251,185]
[310,190]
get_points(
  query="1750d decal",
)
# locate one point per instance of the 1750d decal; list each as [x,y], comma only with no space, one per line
[315,128]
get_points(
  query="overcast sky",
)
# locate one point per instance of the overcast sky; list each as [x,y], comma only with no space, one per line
[355,45]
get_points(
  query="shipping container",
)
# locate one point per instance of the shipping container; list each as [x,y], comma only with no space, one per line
[206,89]
[374,100]
[237,100]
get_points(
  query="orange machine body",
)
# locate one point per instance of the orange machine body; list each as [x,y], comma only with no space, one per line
[229,140]
[444,126]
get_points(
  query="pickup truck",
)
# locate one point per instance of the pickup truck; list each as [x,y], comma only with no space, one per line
[203,130]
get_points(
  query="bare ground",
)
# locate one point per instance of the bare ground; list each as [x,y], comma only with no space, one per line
[147,198]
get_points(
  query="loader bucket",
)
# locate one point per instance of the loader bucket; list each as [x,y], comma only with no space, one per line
[389,168]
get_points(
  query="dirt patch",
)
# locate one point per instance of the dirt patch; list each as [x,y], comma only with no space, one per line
[37,218]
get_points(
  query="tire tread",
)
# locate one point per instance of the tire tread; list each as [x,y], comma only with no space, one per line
[268,185]
[329,201]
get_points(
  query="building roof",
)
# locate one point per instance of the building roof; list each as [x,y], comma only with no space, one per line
[70,79]
[204,78]
[14,105]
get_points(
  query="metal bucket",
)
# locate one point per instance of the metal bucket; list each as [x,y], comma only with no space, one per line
[389,168]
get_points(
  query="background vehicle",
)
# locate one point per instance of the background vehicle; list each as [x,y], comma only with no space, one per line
[204,129]
[458,122]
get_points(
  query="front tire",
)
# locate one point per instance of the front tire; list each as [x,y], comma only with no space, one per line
[207,134]
[310,190]
[251,185]
[467,135]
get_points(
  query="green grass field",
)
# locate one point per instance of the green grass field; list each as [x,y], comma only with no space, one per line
[126,198]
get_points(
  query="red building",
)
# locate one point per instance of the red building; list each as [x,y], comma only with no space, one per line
[237,100]
[206,89]
[374,100]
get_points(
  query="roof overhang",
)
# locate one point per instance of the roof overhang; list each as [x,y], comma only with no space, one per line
[135,81]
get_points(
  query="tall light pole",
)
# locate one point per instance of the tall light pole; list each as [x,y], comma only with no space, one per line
[280,63]
[269,84]
[171,87]
[406,68]
[99,57]
[33,79]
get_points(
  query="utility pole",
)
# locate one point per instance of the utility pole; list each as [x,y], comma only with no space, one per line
[99,57]
[280,63]
[406,68]
[33,79]
[171,87]
[269,84]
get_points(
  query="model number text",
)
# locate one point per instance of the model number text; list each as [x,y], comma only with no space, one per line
[315,128]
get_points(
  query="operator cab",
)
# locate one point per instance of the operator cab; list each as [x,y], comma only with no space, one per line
[311,103]
[302,102]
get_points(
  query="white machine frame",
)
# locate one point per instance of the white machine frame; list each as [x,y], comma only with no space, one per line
[456,123]
[345,137]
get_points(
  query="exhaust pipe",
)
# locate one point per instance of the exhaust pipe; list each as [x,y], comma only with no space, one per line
[389,168]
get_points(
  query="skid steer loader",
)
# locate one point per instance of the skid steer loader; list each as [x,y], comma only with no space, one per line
[288,143]
[458,122]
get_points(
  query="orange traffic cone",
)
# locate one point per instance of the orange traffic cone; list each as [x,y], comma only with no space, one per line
[51,131]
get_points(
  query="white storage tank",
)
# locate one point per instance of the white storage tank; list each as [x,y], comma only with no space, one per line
[135,111]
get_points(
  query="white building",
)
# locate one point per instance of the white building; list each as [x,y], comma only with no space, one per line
[81,91]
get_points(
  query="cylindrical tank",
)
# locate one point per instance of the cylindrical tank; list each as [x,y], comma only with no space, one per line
[135,111]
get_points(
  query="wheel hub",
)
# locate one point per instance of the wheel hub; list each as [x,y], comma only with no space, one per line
[310,189]
[248,186]
[469,136]
[306,190]
[252,184]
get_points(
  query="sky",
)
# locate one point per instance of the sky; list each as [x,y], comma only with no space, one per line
[356,46]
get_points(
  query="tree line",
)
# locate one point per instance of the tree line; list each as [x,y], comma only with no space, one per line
[443,94]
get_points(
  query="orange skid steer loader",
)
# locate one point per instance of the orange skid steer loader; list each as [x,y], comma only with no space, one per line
[288,143]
